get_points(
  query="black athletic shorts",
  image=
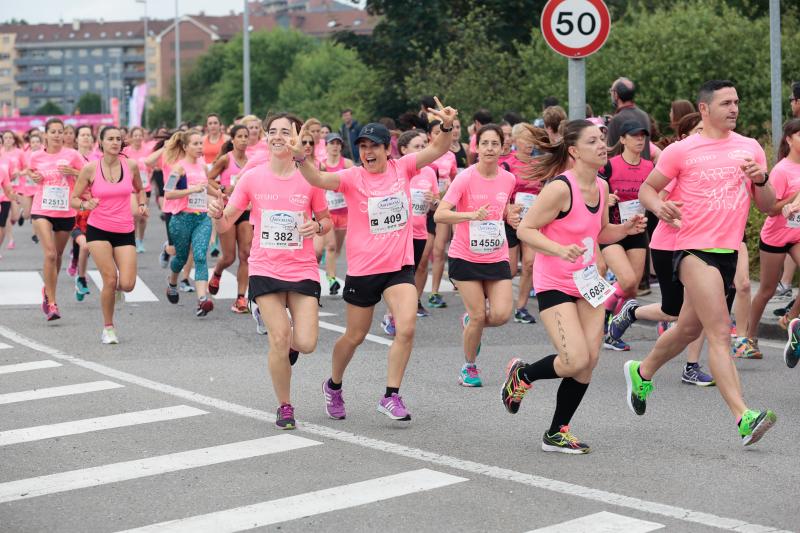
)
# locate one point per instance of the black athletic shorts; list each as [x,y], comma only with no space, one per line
[764,247]
[244,217]
[366,291]
[167,218]
[511,236]
[430,224]
[462,270]
[671,292]
[115,239]
[631,242]
[724,262]
[75,233]
[157,177]
[5,209]
[552,298]
[261,285]
[58,223]
[419,247]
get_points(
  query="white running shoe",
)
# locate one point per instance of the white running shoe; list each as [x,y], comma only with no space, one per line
[109,336]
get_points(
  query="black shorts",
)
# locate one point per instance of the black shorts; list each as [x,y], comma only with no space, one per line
[419,247]
[5,209]
[430,224]
[157,177]
[366,291]
[764,247]
[261,285]
[725,263]
[462,270]
[167,218]
[631,242]
[671,292]
[114,239]
[244,217]
[148,194]
[553,298]
[58,223]
[75,233]
[511,236]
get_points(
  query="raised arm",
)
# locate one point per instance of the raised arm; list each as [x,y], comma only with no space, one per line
[307,165]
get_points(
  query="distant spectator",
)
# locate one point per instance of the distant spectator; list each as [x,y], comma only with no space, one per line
[550,101]
[424,103]
[794,99]
[623,92]
[410,121]
[349,132]
[678,110]
[553,116]
[589,111]
[479,119]
[513,118]
[395,133]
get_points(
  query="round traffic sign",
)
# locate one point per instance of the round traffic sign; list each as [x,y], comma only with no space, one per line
[575,28]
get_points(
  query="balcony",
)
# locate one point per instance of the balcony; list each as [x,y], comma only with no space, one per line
[133,58]
[133,75]
[33,61]
[37,76]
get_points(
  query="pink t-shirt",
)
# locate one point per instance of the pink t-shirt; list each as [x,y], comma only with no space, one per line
[446,165]
[279,204]
[139,156]
[320,152]
[714,189]
[480,241]
[379,229]
[254,161]
[113,212]
[5,180]
[230,171]
[785,179]
[664,235]
[260,150]
[195,202]
[424,181]
[515,166]
[54,191]
[15,159]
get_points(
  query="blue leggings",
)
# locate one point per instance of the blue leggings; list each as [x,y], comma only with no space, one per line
[190,230]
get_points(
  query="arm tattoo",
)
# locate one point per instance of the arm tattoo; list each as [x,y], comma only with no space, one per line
[562,337]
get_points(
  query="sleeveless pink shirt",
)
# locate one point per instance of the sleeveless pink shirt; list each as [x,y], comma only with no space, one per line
[113,212]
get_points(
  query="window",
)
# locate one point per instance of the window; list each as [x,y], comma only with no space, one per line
[87,35]
[68,54]
[102,35]
[56,87]
[40,36]
[151,84]
[5,88]
[193,45]
[83,69]
[54,70]
[71,35]
[6,39]
[118,34]
[69,70]
[37,54]
[38,87]
[114,52]
[99,85]
[55,54]
[38,70]
[70,86]
[5,72]
[98,69]
[5,56]
[97,52]
[84,85]
[115,84]
[83,52]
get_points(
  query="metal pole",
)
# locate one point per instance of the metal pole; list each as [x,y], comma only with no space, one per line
[775,72]
[177,67]
[577,88]
[246,58]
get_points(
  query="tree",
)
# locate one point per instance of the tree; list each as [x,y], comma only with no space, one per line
[89,104]
[49,108]
[161,113]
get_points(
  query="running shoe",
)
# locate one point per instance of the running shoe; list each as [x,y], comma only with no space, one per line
[782,291]
[261,329]
[694,375]
[72,270]
[172,293]
[52,312]
[139,246]
[163,257]
[733,329]
[606,320]
[11,244]
[334,403]
[663,326]
[21,221]
[35,239]
[214,251]
[618,345]
[638,388]
[333,286]
[784,320]
[470,376]
[293,356]
[620,322]
[394,408]
[563,442]
[522,316]
[81,290]
[285,417]
[421,311]
[780,311]
[204,306]
[754,424]
[213,283]
[388,325]
[435,300]
[747,348]
[464,322]
[791,352]
[514,387]
[185,286]
[109,336]
[240,305]
[45,302]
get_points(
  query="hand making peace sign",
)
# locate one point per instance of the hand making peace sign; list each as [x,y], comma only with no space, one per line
[446,114]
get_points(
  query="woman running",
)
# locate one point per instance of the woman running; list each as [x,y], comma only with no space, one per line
[227,170]
[110,228]
[7,197]
[283,268]
[12,155]
[380,252]
[479,252]
[189,225]
[564,225]
[137,151]
[337,206]
[213,140]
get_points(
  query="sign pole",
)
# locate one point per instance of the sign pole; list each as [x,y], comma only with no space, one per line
[775,72]
[577,88]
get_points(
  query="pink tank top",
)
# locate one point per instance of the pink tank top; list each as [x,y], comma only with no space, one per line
[581,226]
[233,169]
[331,196]
[113,212]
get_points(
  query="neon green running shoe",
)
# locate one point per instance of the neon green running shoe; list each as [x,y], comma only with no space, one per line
[564,442]
[754,424]
[638,389]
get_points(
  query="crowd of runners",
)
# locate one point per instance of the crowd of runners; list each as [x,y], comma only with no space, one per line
[585,212]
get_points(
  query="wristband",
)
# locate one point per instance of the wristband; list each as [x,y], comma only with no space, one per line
[766,179]
[445,130]
[299,159]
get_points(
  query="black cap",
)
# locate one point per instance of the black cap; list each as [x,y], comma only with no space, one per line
[375,132]
[632,126]
[333,136]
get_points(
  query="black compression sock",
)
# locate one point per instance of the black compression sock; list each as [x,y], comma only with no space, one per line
[544,368]
[82,280]
[391,390]
[334,386]
[568,398]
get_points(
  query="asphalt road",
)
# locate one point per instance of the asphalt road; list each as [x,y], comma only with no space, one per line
[175,424]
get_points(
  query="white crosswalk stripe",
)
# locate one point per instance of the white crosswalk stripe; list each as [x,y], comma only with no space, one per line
[603,522]
[75,427]
[32,365]
[308,504]
[20,288]
[4,346]
[140,292]
[151,466]
[54,392]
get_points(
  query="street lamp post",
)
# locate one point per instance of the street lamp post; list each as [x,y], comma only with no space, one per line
[246,58]
[177,67]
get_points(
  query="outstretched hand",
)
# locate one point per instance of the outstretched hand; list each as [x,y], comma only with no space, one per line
[294,144]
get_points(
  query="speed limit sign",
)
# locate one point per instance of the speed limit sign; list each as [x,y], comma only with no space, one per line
[575,28]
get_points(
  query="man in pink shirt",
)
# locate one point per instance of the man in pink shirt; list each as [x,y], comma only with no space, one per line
[716,172]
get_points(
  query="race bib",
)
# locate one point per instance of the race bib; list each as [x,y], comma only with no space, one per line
[486,236]
[55,198]
[198,201]
[592,286]
[793,220]
[525,199]
[387,214]
[280,229]
[335,200]
[418,204]
[629,209]
[234,177]
[443,184]
[144,176]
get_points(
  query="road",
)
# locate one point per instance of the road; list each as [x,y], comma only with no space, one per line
[175,424]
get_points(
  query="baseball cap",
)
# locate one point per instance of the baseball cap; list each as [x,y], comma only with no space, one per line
[632,126]
[375,132]
[333,137]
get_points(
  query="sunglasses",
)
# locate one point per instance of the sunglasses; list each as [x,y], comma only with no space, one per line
[308,143]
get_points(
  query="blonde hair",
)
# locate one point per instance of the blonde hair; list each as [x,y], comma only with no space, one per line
[175,147]
[252,118]
[312,122]
[536,137]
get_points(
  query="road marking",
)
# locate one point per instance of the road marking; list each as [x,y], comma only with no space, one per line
[602,522]
[323,313]
[112,473]
[340,329]
[140,293]
[76,427]
[20,288]
[4,346]
[54,392]
[228,286]
[495,472]
[308,504]
[23,367]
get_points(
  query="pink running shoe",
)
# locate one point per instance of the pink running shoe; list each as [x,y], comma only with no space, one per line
[52,312]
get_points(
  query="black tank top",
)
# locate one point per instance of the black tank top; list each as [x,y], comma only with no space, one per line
[461,156]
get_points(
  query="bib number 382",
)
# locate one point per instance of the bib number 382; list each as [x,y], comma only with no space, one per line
[592,286]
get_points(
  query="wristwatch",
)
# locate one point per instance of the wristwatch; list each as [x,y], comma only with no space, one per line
[766,179]
[445,130]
